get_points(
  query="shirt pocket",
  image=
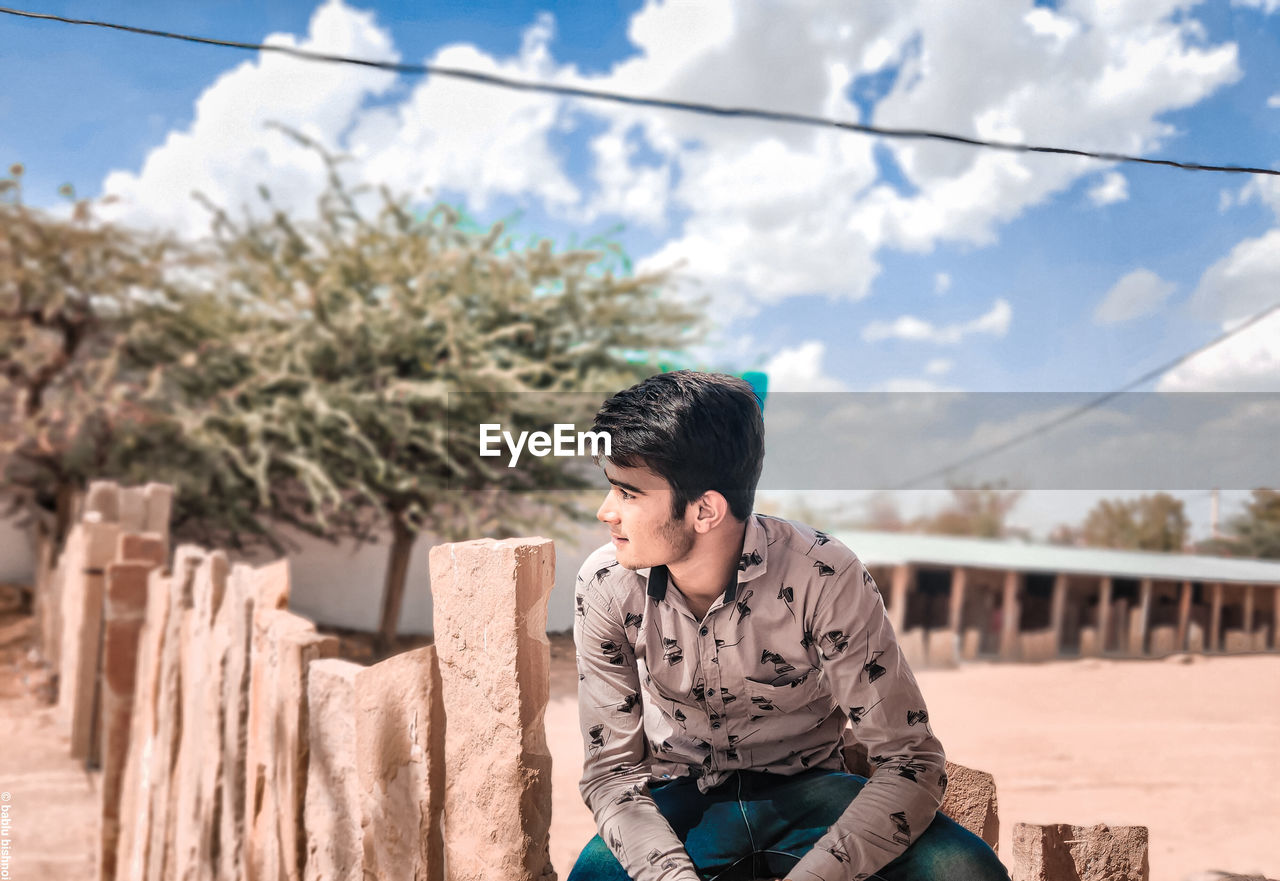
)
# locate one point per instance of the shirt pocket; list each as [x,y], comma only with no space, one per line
[787,697]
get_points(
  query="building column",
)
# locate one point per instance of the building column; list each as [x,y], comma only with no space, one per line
[1214,642]
[1275,614]
[955,616]
[1138,625]
[898,596]
[1010,617]
[1184,615]
[1248,613]
[1104,613]
[1057,611]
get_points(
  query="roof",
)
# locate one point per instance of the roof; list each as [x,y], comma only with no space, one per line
[892,548]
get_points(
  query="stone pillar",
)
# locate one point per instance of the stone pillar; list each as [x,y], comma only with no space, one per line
[284,646]
[198,767]
[124,611]
[955,614]
[1248,610]
[1010,616]
[1057,612]
[84,568]
[1080,853]
[1104,614]
[1275,614]
[1139,619]
[1214,642]
[375,778]
[490,610]
[970,800]
[1184,614]
[1120,614]
[898,597]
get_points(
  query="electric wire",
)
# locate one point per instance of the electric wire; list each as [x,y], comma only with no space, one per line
[1093,404]
[504,82]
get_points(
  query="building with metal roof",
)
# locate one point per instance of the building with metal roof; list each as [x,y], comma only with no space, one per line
[964,598]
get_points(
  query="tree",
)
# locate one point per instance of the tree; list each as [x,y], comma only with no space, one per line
[1153,523]
[1253,533]
[392,334]
[978,511]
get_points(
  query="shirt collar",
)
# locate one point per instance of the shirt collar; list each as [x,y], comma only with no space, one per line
[752,564]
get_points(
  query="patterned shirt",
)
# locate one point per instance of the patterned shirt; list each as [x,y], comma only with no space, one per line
[797,645]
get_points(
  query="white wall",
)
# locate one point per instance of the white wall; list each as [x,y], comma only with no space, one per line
[17,562]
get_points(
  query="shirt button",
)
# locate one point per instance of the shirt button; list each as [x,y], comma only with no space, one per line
[703,631]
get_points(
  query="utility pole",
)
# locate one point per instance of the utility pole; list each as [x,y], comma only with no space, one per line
[1213,514]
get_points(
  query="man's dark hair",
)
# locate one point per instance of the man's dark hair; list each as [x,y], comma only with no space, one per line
[698,431]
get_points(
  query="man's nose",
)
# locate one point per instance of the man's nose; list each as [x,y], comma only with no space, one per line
[606,513]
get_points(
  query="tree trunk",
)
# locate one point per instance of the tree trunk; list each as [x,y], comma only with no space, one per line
[402,541]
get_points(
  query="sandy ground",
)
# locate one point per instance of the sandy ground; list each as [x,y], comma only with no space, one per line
[1187,746]
[1191,750]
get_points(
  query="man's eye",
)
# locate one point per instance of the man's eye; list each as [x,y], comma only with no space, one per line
[624,494]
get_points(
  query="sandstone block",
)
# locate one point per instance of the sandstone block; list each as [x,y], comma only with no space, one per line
[1235,640]
[102,498]
[1195,637]
[1164,641]
[276,769]
[1037,645]
[198,766]
[1080,853]
[146,546]
[234,626]
[159,502]
[942,649]
[132,503]
[970,800]
[913,650]
[375,777]
[137,782]
[1089,645]
[490,609]
[124,611]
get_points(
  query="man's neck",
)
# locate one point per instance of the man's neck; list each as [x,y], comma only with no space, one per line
[710,565]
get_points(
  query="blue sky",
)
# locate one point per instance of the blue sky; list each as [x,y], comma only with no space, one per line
[832,261]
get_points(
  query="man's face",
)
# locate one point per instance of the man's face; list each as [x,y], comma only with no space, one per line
[637,511]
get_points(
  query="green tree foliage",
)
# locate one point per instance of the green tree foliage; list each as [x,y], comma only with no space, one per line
[386,336]
[1154,522]
[77,299]
[980,511]
[1253,533]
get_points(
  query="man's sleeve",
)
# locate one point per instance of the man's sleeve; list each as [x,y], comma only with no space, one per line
[616,770]
[874,686]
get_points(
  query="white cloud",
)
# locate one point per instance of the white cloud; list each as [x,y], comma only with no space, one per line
[908,327]
[1266,6]
[799,369]
[1274,101]
[941,283]
[1242,283]
[1139,293]
[767,211]
[939,366]
[1248,362]
[1111,189]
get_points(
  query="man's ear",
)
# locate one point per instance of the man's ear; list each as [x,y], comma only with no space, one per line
[709,510]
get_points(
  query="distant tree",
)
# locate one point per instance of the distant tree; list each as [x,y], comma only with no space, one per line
[89,312]
[980,511]
[1253,533]
[882,513]
[394,333]
[1152,522]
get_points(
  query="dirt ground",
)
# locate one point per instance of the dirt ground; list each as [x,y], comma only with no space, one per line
[1188,746]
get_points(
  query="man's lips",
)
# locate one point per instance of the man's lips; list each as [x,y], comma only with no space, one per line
[616,537]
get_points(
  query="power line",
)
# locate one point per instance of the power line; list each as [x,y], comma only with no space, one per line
[489,79]
[1093,404]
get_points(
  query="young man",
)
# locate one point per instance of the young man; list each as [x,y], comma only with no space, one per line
[720,654]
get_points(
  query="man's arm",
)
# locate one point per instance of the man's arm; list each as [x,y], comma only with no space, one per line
[874,686]
[616,770]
